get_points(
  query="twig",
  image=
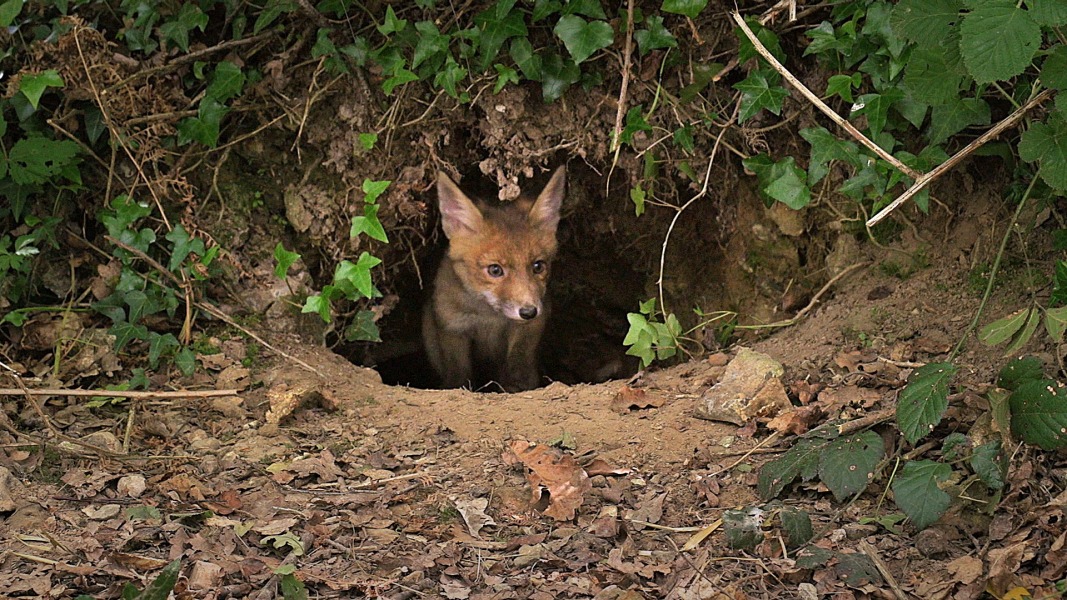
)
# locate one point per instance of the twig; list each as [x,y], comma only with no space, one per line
[925,180]
[767,440]
[836,118]
[190,57]
[864,422]
[814,300]
[118,393]
[620,110]
[872,553]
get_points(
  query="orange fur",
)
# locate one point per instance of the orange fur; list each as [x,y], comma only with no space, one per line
[488,310]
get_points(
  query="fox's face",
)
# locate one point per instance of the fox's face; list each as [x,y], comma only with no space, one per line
[503,254]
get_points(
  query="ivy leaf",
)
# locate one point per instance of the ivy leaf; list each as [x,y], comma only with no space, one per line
[227,81]
[368,224]
[33,85]
[184,244]
[283,260]
[998,40]
[1046,143]
[637,196]
[177,29]
[317,303]
[1054,69]
[582,38]
[271,12]
[449,77]
[558,74]
[373,189]
[1048,13]
[544,8]
[826,148]
[841,85]
[946,120]
[654,36]
[358,274]
[589,8]
[431,42]
[528,62]
[847,465]
[497,25]
[292,588]
[923,401]
[635,122]
[185,360]
[1002,330]
[1039,413]
[689,8]
[916,492]
[363,328]
[683,138]
[204,127]
[392,24]
[400,78]
[504,76]
[158,345]
[368,140]
[923,21]
[125,332]
[758,91]
[876,107]
[783,181]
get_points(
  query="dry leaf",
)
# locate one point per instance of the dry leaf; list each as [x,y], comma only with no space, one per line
[473,512]
[631,398]
[559,473]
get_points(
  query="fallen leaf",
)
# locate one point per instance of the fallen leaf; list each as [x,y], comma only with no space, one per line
[559,473]
[701,535]
[473,512]
[631,398]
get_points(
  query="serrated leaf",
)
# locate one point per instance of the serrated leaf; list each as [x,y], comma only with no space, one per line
[163,584]
[802,461]
[582,38]
[916,492]
[1039,413]
[923,400]
[989,465]
[1054,68]
[1002,330]
[946,120]
[1056,323]
[1048,13]
[797,526]
[283,259]
[689,8]
[1019,371]
[760,90]
[1047,143]
[935,73]
[847,465]
[1026,333]
[922,21]
[998,40]
[33,85]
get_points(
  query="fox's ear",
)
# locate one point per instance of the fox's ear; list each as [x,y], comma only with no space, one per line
[459,215]
[545,211]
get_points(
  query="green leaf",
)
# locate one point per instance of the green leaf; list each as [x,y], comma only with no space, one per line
[1054,68]
[177,29]
[797,526]
[126,332]
[689,8]
[1002,330]
[363,328]
[654,36]
[923,21]
[33,85]
[946,120]
[589,8]
[760,90]
[923,401]
[292,588]
[683,138]
[373,189]
[582,38]
[184,244]
[876,107]
[185,360]
[935,73]
[431,42]
[400,78]
[368,224]
[826,148]
[703,74]
[368,140]
[525,58]
[1018,372]
[8,11]
[847,465]
[504,76]
[1027,332]
[916,492]
[640,338]
[449,77]
[160,344]
[163,584]
[143,513]
[283,260]
[989,464]
[544,8]
[802,461]
[1046,143]
[558,74]
[841,85]
[392,24]
[205,127]
[497,25]
[317,304]
[271,12]
[227,81]
[1048,13]
[1039,413]
[998,40]
[35,159]
[1056,322]
[637,196]
[635,122]
[783,181]
[358,274]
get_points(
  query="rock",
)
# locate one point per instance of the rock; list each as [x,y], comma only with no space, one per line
[750,387]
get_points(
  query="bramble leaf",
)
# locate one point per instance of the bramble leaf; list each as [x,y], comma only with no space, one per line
[923,401]
[1056,323]
[998,40]
[923,21]
[916,492]
[1054,69]
[802,461]
[1047,144]
[797,526]
[1018,372]
[989,464]
[946,120]
[1048,13]
[1027,332]
[847,465]
[1039,413]
[1002,330]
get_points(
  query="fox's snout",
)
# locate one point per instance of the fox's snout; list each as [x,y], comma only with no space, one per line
[516,311]
[528,312]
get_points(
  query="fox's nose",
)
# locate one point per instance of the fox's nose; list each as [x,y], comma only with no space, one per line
[528,312]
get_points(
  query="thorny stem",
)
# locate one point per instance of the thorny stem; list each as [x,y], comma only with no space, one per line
[993,271]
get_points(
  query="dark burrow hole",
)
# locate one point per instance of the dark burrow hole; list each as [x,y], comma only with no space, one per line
[594,284]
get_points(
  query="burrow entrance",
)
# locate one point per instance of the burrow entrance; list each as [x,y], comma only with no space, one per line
[597,278]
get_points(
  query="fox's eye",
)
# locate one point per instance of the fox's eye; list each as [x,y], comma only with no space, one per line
[495,270]
[539,267]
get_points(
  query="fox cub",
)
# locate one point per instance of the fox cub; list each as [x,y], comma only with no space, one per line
[487,312]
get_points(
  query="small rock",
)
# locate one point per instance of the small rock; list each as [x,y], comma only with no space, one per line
[751,387]
[131,485]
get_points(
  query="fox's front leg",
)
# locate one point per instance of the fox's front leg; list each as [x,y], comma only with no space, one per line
[520,369]
[449,354]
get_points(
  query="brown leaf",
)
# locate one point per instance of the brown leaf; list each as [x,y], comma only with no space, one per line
[559,473]
[796,421]
[631,398]
[599,466]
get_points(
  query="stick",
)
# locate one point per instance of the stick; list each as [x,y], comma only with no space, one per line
[855,133]
[118,393]
[872,553]
[925,180]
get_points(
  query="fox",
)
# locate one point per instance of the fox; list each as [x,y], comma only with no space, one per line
[487,312]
